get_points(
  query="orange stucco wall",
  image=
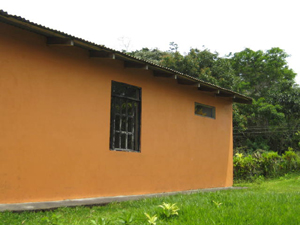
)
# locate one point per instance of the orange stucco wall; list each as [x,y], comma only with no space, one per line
[55,121]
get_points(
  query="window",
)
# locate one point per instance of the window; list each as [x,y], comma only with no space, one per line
[205,110]
[125,118]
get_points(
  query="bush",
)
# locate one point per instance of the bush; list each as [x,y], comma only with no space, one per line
[244,167]
[265,164]
[291,160]
[269,164]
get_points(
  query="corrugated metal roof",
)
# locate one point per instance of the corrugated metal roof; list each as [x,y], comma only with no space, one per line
[183,78]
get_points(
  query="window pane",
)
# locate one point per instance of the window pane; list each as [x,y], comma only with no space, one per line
[135,107]
[124,122]
[123,141]
[118,89]
[117,140]
[203,110]
[117,122]
[129,108]
[122,106]
[121,89]
[132,93]
[208,111]
[130,142]
[129,125]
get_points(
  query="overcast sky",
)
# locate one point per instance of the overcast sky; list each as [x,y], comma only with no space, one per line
[220,25]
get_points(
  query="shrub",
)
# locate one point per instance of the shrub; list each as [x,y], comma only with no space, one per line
[244,167]
[269,164]
[291,160]
[264,164]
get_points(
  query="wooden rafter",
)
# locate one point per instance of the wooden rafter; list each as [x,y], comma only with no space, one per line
[186,81]
[60,41]
[102,54]
[225,94]
[137,65]
[162,74]
[207,88]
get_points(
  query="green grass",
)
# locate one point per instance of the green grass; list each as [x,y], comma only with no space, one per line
[274,201]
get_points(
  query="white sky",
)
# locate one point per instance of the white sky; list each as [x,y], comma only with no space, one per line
[219,25]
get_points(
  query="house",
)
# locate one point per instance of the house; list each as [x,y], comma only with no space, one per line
[80,120]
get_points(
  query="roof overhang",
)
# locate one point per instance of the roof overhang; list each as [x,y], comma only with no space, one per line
[58,38]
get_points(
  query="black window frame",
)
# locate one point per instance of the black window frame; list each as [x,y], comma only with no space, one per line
[125,117]
[208,107]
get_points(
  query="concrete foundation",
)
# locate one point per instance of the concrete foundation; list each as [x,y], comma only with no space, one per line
[32,206]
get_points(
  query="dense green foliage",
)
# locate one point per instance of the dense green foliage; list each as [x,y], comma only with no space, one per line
[264,164]
[264,202]
[273,119]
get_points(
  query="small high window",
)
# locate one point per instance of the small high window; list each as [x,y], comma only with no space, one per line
[125,117]
[205,110]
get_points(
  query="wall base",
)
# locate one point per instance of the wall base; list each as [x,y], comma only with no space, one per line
[32,206]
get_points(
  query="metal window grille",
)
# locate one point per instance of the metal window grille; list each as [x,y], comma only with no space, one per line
[205,110]
[125,117]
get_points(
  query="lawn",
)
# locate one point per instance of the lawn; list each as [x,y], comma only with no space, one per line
[274,201]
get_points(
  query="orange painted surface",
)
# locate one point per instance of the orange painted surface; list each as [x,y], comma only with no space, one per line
[55,127]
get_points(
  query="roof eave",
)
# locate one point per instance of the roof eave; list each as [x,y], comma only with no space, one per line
[102,51]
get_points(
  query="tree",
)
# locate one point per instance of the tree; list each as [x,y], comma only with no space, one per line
[152,55]
[267,78]
[263,70]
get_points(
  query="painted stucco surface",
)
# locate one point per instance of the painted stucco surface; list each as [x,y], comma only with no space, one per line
[55,126]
